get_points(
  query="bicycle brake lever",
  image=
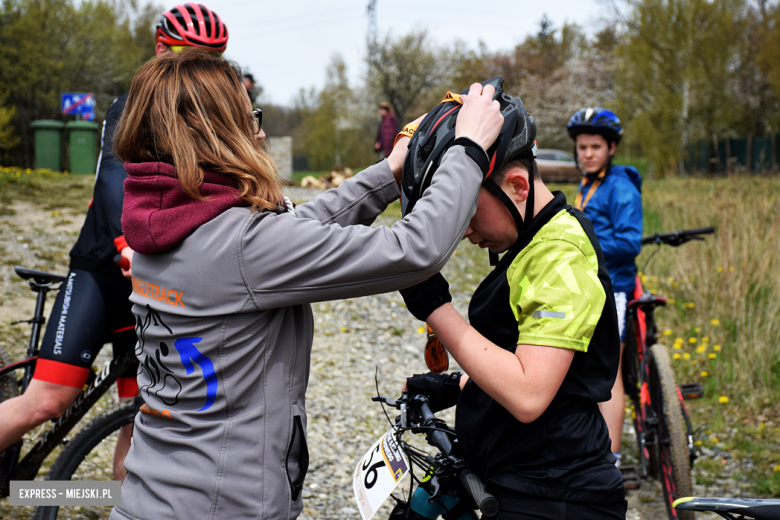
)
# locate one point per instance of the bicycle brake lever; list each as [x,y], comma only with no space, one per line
[435,490]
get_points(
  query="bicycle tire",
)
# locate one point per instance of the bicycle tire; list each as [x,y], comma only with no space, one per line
[8,385]
[89,456]
[673,458]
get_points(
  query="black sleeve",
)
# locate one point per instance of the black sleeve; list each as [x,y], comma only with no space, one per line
[111,173]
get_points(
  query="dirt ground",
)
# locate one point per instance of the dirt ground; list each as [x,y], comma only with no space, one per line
[37,236]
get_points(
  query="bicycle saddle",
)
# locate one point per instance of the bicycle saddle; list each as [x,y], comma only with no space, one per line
[760,509]
[39,276]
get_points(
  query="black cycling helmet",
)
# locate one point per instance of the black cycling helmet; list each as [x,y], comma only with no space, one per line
[437,132]
[601,121]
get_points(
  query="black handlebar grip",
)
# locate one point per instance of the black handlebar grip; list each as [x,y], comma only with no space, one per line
[486,502]
[699,231]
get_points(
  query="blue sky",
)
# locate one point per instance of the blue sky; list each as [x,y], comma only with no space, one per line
[287,45]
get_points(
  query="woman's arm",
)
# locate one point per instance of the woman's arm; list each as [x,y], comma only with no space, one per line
[524,383]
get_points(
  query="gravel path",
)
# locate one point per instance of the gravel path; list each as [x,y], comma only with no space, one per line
[354,340]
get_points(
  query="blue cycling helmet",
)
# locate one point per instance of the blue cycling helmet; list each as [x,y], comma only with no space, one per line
[601,121]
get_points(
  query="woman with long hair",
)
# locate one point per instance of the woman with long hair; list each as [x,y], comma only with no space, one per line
[223,276]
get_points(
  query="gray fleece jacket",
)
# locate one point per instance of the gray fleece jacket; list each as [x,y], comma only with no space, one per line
[225,329]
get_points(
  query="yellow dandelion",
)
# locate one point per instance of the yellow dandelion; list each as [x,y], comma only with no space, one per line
[693,278]
[643,278]
[686,356]
[701,348]
[677,345]
[704,373]
[698,443]
[705,339]
[675,284]
[715,321]
[343,329]
[715,440]
[712,355]
[670,280]
[691,340]
[723,399]
[671,300]
[708,432]
[731,268]
[716,347]
[761,427]
[676,355]
[694,362]
[697,329]
[776,467]
[667,332]
[689,305]
[719,269]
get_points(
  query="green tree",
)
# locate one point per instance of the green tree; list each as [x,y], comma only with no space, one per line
[48,47]
[411,73]
[673,63]
[7,137]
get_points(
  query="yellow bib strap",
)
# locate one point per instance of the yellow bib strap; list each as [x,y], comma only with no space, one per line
[408,131]
[578,202]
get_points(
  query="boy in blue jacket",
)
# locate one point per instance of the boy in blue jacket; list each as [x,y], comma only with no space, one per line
[611,197]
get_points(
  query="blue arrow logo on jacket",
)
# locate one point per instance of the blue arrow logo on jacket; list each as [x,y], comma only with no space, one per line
[189,353]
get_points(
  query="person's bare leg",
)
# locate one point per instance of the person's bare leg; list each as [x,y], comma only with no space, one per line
[41,402]
[614,410]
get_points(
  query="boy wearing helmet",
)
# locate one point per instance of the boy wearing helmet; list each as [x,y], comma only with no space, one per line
[540,347]
[611,197]
[94,301]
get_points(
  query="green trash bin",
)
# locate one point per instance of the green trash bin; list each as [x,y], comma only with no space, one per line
[82,142]
[48,144]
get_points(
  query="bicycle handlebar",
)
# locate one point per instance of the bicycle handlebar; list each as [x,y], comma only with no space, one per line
[473,485]
[677,238]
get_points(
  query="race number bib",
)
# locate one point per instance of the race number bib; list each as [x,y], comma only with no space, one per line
[378,473]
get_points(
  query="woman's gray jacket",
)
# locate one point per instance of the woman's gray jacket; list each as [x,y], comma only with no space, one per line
[225,332]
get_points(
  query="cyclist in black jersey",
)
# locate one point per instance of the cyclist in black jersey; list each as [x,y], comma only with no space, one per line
[94,300]
[541,347]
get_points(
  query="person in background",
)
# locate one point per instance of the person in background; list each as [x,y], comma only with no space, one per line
[249,84]
[611,197]
[388,128]
[95,299]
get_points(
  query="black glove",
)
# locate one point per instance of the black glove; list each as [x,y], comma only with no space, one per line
[425,297]
[442,390]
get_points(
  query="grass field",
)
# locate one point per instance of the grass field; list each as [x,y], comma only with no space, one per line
[722,324]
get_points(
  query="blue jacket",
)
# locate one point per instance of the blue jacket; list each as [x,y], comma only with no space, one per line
[616,212]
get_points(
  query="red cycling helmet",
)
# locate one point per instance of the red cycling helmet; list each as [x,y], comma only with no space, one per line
[192,25]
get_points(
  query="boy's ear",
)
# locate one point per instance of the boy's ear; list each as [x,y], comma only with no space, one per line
[517,182]
[612,148]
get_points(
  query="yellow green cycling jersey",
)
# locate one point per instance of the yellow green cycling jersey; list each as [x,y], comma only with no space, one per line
[554,289]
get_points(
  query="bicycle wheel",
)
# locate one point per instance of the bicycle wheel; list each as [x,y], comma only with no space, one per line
[673,459]
[8,386]
[89,456]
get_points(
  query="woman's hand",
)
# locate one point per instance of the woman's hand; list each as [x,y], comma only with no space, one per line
[480,118]
[397,156]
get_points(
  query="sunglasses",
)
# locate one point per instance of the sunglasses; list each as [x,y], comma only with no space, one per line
[258,115]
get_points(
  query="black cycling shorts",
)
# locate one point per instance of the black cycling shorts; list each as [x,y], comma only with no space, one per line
[518,506]
[90,310]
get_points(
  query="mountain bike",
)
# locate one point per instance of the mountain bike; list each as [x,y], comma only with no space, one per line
[89,455]
[732,508]
[447,488]
[661,421]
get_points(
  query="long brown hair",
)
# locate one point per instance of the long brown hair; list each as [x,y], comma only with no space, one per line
[190,109]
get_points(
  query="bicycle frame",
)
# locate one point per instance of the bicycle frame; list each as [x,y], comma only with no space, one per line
[98,384]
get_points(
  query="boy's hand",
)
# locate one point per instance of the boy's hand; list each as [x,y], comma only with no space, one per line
[480,118]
